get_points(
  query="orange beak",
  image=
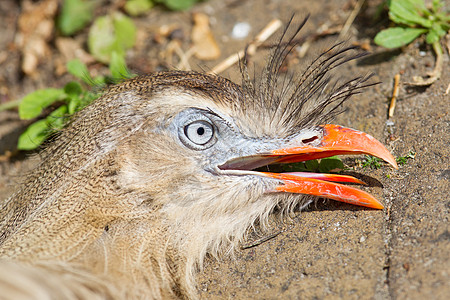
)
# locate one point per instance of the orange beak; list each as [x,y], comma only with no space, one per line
[336,140]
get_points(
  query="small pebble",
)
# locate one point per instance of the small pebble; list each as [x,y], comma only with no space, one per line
[422,53]
[240,30]
[209,10]
[389,123]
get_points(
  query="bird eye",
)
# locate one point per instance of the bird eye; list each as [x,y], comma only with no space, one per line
[199,132]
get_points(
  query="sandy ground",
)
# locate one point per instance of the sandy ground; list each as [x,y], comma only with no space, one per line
[331,250]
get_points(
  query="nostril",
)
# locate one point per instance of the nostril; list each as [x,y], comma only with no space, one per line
[309,140]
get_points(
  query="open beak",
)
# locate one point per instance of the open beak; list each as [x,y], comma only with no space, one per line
[336,140]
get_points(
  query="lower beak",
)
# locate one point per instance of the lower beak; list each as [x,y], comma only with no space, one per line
[336,140]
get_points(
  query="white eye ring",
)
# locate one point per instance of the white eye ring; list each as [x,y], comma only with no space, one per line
[199,132]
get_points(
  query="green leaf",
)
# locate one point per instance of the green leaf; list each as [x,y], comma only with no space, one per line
[440,29]
[418,5]
[33,103]
[125,30]
[118,67]
[436,5]
[75,15]
[312,165]
[432,37]
[436,33]
[111,33]
[100,81]
[39,131]
[304,166]
[397,36]
[79,70]
[179,4]
[33,136]
[56,119]
[73,88]
[73,105]
[102,40]
[331,164]
[445,19]
[399,20]
[138,7]
[408,12]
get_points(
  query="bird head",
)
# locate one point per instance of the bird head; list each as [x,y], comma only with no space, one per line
[202,153]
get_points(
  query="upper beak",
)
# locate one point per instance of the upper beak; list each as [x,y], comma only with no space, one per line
[336,140]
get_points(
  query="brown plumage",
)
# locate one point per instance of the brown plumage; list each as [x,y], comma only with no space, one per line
[143,183]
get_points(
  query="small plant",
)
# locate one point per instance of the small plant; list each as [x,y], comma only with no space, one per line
[414,19]
[371,162]
[109,38]
[401,160]
[67,100]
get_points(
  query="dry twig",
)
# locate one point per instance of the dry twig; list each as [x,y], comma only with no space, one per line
[351,18]
[394,95]
[270,29]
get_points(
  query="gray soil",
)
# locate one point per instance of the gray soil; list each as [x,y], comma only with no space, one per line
[331,250]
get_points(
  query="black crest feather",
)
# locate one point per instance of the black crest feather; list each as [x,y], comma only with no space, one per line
[298,101]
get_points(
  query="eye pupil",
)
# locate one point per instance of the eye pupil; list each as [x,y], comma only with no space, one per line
[200,131]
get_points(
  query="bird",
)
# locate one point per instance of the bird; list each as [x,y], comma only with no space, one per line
[168,168]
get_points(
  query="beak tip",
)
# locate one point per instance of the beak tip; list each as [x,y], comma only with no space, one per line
[391,160]
[378,206]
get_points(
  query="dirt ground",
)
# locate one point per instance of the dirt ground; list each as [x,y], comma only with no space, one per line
[331,250]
